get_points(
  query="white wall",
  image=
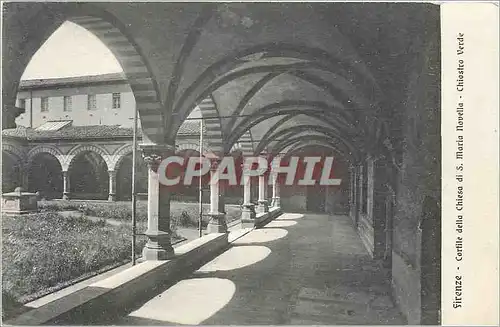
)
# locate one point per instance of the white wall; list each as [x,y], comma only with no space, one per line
[103,115]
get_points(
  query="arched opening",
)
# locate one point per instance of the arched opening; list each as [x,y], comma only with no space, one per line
[124,178]
[88,176]
[11,172]
[45,176]
[115,51]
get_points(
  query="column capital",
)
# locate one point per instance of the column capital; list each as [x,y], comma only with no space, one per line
[214,163]
[154,154]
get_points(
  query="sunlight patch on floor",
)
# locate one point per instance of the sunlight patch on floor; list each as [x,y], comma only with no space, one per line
[287,216]
[237,257]
[281,223]
[262,236]
[190,301]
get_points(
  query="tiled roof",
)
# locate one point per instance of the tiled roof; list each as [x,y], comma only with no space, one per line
[87,132]
[69,132]
[191,127]
[70,81]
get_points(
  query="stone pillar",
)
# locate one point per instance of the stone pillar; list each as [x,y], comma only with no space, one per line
[263,204]
[248,209]
[112,185]
[222,202]
[276,193]
[24,178]
[158,246]
[66,185]
[217,222]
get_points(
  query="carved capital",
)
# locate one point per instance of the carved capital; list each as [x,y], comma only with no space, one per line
[214,163]
[154,154]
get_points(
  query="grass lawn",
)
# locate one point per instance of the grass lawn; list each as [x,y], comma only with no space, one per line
[182,214]
[44,251]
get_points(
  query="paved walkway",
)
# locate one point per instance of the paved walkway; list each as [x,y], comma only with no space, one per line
[300,269]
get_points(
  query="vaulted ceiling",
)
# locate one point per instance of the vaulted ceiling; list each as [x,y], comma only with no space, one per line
[284,75]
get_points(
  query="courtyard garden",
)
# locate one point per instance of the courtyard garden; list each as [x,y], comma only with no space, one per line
[46,251]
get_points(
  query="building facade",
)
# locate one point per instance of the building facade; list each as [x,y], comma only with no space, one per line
[86,100]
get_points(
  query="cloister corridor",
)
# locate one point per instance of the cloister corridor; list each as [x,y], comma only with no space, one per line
[298,269]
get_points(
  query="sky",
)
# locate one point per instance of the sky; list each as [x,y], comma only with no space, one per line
[71,51]
[74,51]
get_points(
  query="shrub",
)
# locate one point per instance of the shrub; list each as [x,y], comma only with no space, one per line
[41,251]
[182,214]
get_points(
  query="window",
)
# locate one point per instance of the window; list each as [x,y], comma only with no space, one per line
[91,102]
[68,103]
[44,104]
[117,97]
[22,103]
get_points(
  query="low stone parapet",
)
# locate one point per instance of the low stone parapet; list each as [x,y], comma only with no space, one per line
[119,293]
[262,219]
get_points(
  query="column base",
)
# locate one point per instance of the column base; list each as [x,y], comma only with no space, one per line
[217,223]
[158,247]
[263,206]
[248,215]
[277,202]
[111,197]
[66,196]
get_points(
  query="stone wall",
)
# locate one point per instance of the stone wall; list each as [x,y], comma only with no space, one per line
[417,215]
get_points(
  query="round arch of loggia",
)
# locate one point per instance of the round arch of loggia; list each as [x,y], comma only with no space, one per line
[103,154]
[331,62]
[52,150]
[109,30]
[15,152]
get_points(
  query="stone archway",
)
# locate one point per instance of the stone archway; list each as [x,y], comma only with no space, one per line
[39,22]
[88,175]
[123,170]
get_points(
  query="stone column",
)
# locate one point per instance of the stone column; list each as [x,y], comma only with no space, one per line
[23,178]
[112,185]
[222,202]
[158,246]
[248,209]
[263,206]
[217,222]
[276,193]
[66,185]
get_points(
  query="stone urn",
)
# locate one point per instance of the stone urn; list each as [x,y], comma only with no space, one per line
[19,202]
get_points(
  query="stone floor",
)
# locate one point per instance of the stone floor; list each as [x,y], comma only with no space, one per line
[300,269]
